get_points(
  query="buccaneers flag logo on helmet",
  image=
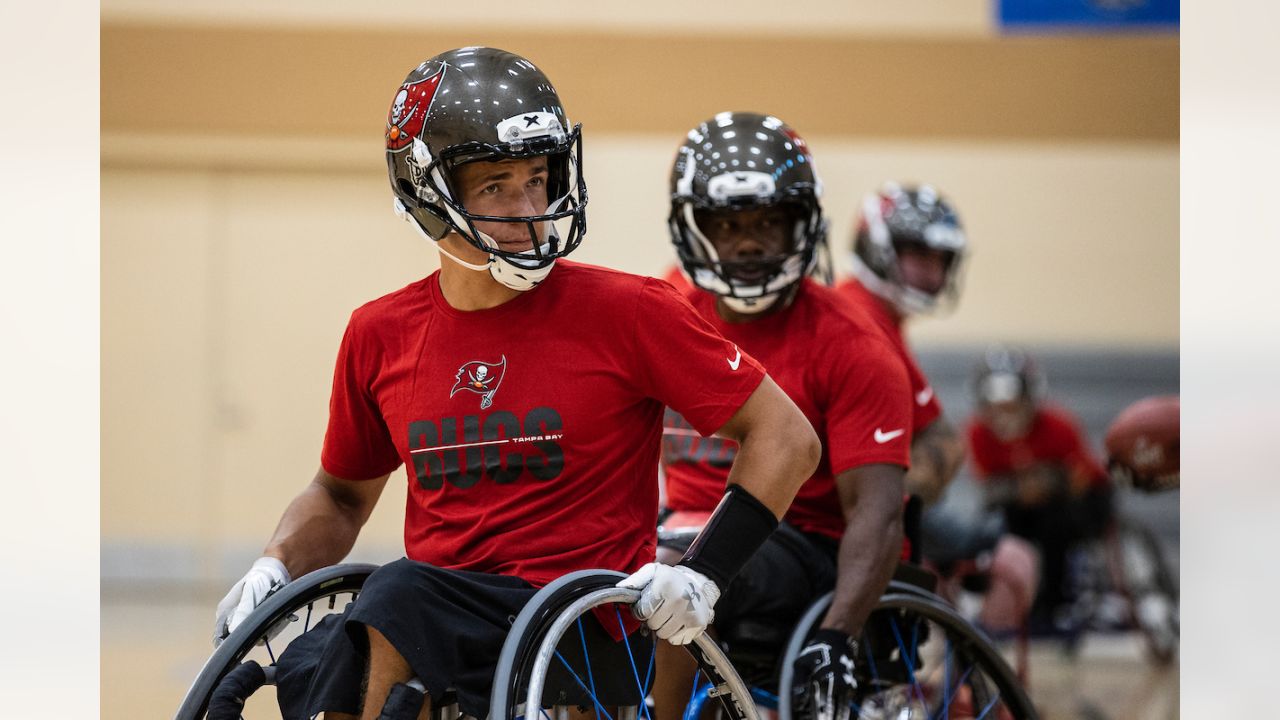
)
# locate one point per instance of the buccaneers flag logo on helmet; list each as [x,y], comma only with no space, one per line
[409,110]
[481,378]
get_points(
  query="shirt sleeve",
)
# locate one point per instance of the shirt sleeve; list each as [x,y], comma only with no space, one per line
[868,405]
[357,443]
[683,362]
[925,407]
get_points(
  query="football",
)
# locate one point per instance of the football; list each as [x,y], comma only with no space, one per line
[1142,444]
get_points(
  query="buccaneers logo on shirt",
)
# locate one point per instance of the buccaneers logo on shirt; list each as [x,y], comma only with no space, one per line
[481,378]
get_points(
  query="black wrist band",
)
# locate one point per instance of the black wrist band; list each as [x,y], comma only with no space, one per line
[737,528]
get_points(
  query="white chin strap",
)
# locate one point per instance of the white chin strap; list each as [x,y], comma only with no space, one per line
[506,272]
[751,306]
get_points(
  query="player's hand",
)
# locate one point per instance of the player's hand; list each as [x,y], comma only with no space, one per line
[676,602]
[265,577]
[1039,484]
[823,683]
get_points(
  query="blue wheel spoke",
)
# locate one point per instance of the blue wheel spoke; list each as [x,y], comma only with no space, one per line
[946,708]
[635,672]
[697,699]
[764,698]
[946,682]
[600,711]
[989,706]
[906,660]
[586,657]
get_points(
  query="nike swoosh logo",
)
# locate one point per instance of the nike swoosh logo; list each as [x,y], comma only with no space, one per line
[924,396]
[733,364]
[884,437]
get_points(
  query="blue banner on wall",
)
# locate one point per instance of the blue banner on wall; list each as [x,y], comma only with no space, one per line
[1096,14]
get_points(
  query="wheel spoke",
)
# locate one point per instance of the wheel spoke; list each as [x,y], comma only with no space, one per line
[644,709]
[905,656]
[600,711]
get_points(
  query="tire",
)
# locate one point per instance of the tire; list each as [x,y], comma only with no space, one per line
[293,603]
[537,661]
[931,644]
[1141,573]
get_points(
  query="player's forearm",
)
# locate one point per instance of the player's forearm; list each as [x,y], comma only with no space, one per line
[936,456]
[774,461]
[316,530]
[868,555]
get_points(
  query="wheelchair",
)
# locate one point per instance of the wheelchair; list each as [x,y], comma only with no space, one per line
[545,663]
[921,659]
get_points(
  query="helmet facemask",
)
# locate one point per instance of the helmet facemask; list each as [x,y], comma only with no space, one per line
[754,284]
[553,233]
[742,162]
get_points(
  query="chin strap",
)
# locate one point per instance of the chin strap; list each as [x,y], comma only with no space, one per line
[751,306]
[516,277]
[464,263]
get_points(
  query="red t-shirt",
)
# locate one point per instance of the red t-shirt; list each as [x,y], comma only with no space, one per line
[842,374]
[675,276]
[926,405]
[1055,438]
[530,431]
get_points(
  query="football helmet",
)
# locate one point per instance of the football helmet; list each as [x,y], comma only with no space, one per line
[1007,374]
[480,103]
[735,161]
[899,216]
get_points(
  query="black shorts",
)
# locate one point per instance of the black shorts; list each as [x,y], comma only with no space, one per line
[449,625]
[789,571]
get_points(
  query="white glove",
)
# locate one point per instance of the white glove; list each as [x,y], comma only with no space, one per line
[675,601]
[265,577]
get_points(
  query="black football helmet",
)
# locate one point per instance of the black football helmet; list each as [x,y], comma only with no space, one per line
[480,103]
[898,216]
[734,161]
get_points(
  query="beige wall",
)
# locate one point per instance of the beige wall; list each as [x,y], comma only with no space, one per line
[225,293]
[245,210]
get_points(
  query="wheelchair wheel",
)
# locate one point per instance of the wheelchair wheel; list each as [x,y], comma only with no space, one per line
[920,660]
[1140,572]
[299,606]
[560,656]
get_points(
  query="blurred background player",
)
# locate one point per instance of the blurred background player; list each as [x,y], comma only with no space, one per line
[746,220]
[908,250]
[1035,465]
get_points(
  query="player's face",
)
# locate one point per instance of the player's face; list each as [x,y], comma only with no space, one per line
[923,268]
[505,188]
[748,234]
[1009,420]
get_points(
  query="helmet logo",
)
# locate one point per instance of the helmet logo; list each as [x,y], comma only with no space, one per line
[409,110]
